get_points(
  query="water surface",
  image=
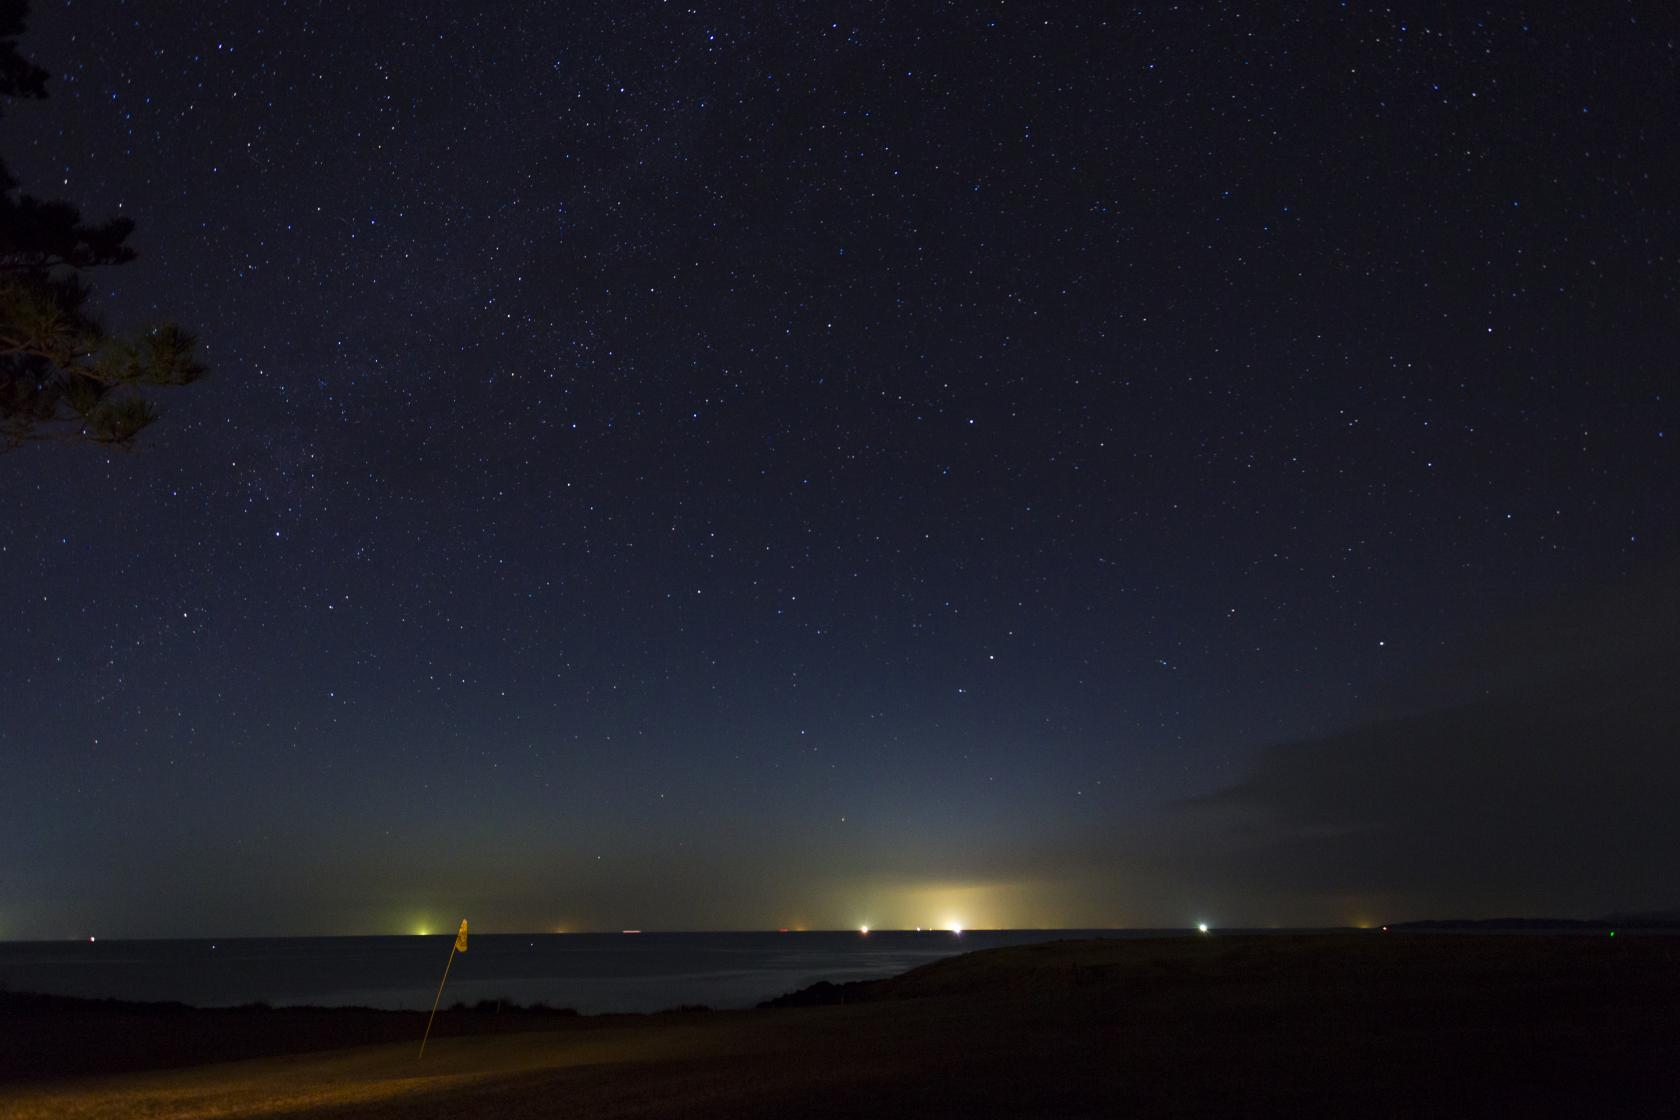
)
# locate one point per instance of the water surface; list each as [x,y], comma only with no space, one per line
[592,972]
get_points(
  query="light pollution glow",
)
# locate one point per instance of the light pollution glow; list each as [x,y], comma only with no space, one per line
[928,906]
[855,905]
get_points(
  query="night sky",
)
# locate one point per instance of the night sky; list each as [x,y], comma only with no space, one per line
[746,466]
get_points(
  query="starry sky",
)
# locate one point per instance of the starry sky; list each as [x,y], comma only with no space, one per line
[755,465]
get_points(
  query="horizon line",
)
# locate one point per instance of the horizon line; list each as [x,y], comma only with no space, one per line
[651,931]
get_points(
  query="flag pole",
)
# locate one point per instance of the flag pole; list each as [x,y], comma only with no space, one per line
[435,1001]
[460,943]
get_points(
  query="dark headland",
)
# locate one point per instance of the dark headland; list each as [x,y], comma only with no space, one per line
[1395,1024]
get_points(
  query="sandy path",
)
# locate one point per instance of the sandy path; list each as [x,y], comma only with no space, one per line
[359,1077]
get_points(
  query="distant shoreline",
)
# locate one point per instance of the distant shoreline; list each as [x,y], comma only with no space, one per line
[1660,920]
[1654,923]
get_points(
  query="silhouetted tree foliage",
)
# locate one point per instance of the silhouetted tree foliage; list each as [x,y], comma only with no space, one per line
[63,376]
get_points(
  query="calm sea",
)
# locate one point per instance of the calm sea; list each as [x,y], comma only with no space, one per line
[590,972]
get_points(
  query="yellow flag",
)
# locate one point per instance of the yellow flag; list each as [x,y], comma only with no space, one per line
[461,938]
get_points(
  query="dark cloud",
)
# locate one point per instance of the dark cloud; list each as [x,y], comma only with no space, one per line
[1553,792]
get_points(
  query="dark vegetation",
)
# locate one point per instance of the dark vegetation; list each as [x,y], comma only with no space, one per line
[63,375]
[55,1036]
[1395,1024]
